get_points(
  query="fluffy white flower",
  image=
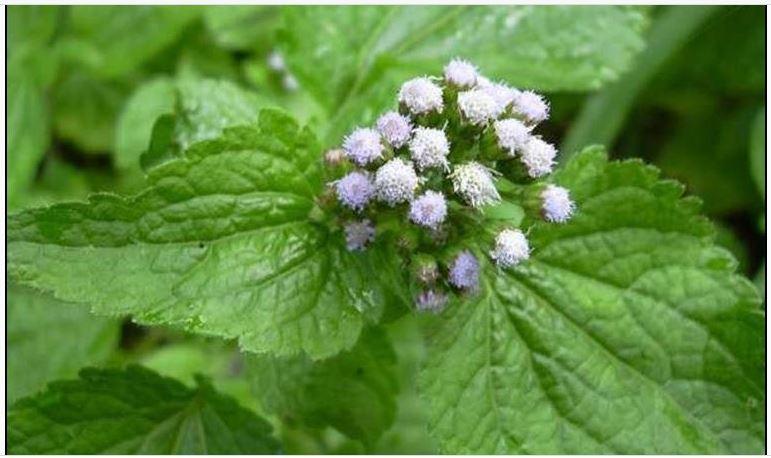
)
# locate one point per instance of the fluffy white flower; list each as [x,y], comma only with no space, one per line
[429,210]
[363,146]
[512,135]
[478,107]
[421,95]
[460,73]
[395,182]
[429,148]
[395,128]
[538,157]
[531,106]
[557,206]
[511,248]
[358,234]
[501,93]
[474,183]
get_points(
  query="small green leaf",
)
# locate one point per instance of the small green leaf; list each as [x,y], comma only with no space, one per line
[626,332]
[241,27]
[220,243]
[134,411]
[49,339]
[354,392]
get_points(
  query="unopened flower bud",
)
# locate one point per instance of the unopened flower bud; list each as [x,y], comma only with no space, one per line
[358,234]
[474,183]
[334,157]
[557,206]
[429,148]
[355,190]
[431,301]
[429,210]
[421,96]
[395,128]
[395,182]
[460,73]
[478,107]
[538,157]
[464,271]
[425,269]
[531,106]
[363,146]
[512,135]
[510,249]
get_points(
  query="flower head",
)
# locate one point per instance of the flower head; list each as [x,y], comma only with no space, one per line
[421,95]
[538,157]
[395,128]
[358,234]
[429,210]
[474,182]
[557,206]
[431,301]
[464,271]
[501,93]
[532,106]
[363,146]
[512,134]
[511,248]
[460,73]
[478,107]
[355,190]
[334,157]
[395,182]
[429,148]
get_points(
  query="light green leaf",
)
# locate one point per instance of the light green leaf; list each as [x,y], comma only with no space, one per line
[134,411]
[50,339]
[220,244]
[758,151]
[344,54]
[626,332]
[241,27]
[355,391]
[32,26]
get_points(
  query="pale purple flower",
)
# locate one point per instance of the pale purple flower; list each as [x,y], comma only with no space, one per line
[538,157]
[429,148]
[511,248]
[478,107]
[431,301]
[557,207]
[512,135]
[363,146]
[395,128]
[421,96]
[531,106]
[358,234]
[395,182]
[429,210]
[355,190]
[474,183]
[464,271]
[460,73]
[501,93]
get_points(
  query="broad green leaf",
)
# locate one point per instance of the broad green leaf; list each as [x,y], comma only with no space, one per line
[134,411]
[220,243]
[343,55]
[241,27]
[626,332]
[354,391]
[31,25]
[49,339]
[758,151]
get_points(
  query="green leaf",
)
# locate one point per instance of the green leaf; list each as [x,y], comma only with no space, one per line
[758,151]
[241,27]
[134,411]
[354,392]
[32,26]
[50,339]
[344,55]
[220,244]
[626,332]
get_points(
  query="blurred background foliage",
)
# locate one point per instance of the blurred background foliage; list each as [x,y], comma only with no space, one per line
[85,86]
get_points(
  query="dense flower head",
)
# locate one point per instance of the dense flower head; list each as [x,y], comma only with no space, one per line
[363,146]
[478,106]
[429,210]
[511,248]
[395,128]
[421,96]
[431,179]
[538,157]
[460,73]
[464,271]
[359,234]
[355,190]
[557,207]
[395,182]
[531,106]
[474,183]
[512,134]
[429,148]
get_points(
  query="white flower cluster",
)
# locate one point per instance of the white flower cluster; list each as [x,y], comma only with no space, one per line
[424,173]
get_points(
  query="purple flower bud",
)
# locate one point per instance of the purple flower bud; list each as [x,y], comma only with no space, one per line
[431,301]
[358,234]
[395,182]
[429,148]
[557,206]
[429,210]
[421,95]
[460,73]
[464,271]
[363,146]
[395,128]
[511,248]
[355,190]
[531,106]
